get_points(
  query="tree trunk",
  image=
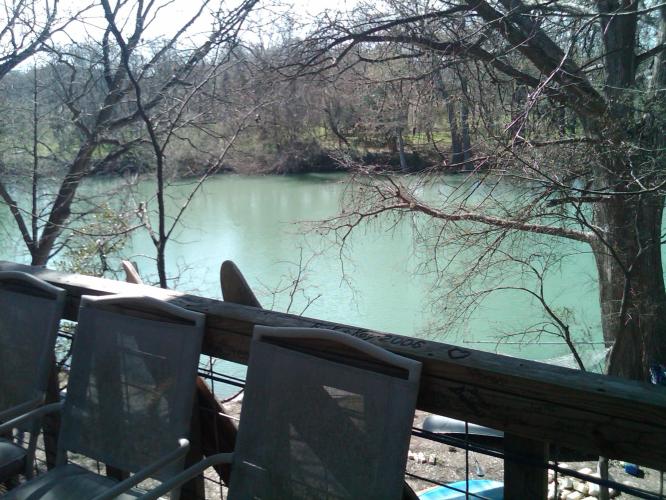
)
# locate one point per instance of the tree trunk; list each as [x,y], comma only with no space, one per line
[161,261]
[334,128]
[518,116]
[464,121]
[457,150]
[401,150]
[62,205]
[628,253]
[631,284]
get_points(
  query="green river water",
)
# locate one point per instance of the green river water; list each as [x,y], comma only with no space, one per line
[254,222]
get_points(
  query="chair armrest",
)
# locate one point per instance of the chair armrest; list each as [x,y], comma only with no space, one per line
[17,410]
[146,472]
[37,413]
[187,474]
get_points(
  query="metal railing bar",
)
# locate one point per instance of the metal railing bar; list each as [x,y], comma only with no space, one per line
[222,378]
[461,443]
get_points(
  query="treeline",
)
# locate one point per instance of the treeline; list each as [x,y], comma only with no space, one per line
[388,112]
[288,126]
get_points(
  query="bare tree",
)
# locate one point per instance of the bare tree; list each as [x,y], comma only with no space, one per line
[26,26]
[94,85]
[603,188]
[226,37]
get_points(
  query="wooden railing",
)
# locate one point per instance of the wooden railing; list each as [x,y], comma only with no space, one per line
[533,403]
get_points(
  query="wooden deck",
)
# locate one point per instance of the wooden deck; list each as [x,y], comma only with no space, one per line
[533,403]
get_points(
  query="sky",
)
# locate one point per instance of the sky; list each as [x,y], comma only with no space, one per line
[174,13]
[260,28]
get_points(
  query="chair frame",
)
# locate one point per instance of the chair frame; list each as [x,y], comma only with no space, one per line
[58,296]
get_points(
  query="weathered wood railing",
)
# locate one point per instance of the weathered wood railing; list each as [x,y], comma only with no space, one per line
[535,402]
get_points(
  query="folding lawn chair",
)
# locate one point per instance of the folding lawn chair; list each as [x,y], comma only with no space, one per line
[129,398]
[325,415]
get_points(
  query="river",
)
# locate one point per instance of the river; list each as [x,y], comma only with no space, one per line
[378,282]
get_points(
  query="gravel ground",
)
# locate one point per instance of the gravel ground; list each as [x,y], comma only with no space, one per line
[450,464]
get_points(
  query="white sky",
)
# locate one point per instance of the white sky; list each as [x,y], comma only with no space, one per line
[174,13]
[267,17]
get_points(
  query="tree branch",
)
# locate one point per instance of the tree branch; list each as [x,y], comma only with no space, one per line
[18,218]
[409,202]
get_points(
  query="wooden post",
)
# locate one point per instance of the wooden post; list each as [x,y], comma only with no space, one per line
[218,433]
[527,476]
[51,422]
[116,473]
[604,494]
[195,488]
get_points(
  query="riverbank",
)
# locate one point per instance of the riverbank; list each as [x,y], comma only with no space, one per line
[299,158]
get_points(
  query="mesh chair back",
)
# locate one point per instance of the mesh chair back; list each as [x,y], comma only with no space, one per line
[30,312]
[132,379]
[317,426]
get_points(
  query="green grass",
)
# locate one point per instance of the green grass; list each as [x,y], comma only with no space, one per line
[440,137]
